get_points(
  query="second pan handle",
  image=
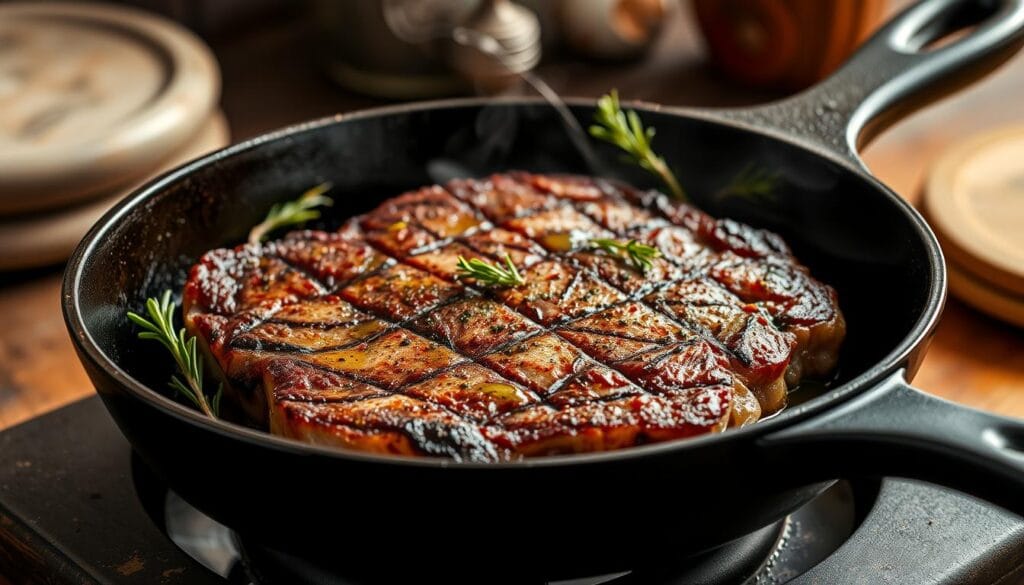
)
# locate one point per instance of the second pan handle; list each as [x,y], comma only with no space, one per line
[896,71]
[896,430]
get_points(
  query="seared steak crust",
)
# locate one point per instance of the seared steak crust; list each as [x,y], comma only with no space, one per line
[367,337]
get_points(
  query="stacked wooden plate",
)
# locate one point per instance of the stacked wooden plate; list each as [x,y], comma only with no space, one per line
[974,200]
[94,100]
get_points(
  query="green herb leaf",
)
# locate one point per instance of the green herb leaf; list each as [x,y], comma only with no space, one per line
[626,131]
[159,327]
[753,183]
[637,254]
[491,274]
[292,212]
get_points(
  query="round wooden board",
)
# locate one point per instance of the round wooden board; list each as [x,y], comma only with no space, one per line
[93,96]
[991,301]
[47,238]
[974,200]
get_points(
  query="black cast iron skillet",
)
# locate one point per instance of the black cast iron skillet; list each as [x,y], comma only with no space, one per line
[592,513]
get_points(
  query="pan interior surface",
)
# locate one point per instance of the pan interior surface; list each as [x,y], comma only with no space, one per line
[846,229]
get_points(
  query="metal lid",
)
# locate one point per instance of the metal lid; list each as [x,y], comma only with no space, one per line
[92,97]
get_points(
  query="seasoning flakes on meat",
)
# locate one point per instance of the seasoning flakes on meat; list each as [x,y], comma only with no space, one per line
[498,242]
[501,197]
[472,391]
[555,292]
[294,332]
[542,362]
[474,326]
[622,331]
[430,208]
[559,229]
[228,281]
[332,258]
[389,361]
[595,382]
[399,292]
[761,351]
[372,338]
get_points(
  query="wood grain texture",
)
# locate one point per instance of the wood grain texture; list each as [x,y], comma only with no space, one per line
[38,368]
[973,359]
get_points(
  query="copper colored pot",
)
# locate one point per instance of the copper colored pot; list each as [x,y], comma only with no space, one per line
[784,43]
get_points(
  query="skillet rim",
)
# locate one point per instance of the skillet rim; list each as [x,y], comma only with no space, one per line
[90,349]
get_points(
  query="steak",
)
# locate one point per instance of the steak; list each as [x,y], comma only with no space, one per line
[368,338]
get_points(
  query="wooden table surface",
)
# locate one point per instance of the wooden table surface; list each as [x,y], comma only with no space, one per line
[271,80]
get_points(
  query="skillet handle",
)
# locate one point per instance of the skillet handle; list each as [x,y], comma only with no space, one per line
[896,430]
[894,73]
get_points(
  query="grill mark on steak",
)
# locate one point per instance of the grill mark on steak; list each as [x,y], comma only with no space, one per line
[619,336]
[684,249]
[398,326]
[772,394]
[429,234]
[579,363]
[496,242]
[519,222]
[453,438]
[555,384]
[413,426]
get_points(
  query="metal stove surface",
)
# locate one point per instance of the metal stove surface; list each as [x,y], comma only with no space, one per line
[71,512]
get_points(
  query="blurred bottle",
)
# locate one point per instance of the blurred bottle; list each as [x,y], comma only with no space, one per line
[786,44]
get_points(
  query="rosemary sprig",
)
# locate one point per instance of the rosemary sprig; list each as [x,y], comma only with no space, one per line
[491,274]
[639,255]
[160,327]
[753,183]
[292,212]
[624,129]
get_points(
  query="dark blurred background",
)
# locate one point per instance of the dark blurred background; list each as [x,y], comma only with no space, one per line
[280,59]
